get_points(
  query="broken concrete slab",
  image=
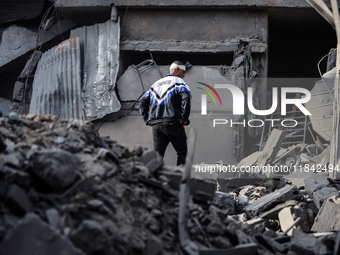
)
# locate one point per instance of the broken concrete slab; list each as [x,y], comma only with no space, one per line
[322,158]
[272,199]
[319,196]
[36,237]
[267,155]
[315,182]
[16,41]
[274,212]
[191,46]
[328,218]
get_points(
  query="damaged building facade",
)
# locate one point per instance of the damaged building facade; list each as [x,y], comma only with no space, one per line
[94,60]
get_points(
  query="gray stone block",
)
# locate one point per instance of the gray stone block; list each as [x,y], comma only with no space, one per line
[323,194]
[33,237]
[328,218]
[315,182]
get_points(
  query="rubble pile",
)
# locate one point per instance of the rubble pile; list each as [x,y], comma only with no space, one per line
[65,190]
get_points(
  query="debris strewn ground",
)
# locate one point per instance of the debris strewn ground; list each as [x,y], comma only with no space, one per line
[65,190]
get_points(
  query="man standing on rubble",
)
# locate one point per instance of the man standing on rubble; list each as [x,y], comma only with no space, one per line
[166,107]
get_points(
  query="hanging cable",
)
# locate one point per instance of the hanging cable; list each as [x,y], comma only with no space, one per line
[318,65]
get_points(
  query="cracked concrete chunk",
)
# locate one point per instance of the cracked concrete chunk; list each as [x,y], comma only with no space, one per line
[32,236]
[323,194]
[328,218]
[315,182]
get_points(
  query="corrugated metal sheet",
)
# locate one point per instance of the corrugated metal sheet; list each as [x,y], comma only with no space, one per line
[100,45]
[57,82]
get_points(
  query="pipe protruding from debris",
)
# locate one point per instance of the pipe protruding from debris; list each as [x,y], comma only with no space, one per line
[114,13]
[294,223]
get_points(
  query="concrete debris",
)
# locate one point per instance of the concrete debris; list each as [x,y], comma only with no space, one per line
[303,243]
[289,215]
[323,194]
[314,183]
[268,154]
[83,187]
[33,236]
[328,217]
[272,199]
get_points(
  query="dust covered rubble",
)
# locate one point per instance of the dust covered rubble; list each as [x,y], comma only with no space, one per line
[289,193]
[65,190]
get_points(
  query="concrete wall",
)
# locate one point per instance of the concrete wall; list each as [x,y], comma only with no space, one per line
[193,25]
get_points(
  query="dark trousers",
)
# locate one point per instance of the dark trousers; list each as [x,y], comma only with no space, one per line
[175,134]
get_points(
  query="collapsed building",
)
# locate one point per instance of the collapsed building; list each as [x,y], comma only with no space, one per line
[94,60]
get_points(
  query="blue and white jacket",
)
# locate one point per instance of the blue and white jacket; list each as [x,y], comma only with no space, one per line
[167,100]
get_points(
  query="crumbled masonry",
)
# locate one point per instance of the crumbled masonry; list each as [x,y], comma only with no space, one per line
[65,190]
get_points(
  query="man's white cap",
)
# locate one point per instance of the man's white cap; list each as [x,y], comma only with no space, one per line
[174,66]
